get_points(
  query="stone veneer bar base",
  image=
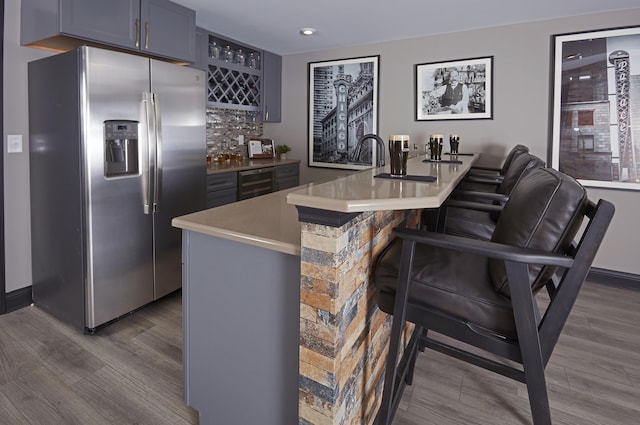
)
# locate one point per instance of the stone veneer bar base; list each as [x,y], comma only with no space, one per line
[343,335]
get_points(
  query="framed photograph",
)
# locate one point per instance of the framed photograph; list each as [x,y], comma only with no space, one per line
[343,107]
[596,107]
[455,90]
[260,148]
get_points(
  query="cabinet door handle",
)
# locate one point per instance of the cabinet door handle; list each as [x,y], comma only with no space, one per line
[137,32]
[146,35]
[266,112]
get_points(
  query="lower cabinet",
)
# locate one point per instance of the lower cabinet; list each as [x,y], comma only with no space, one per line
[222,189]
[287,176]
[232,186]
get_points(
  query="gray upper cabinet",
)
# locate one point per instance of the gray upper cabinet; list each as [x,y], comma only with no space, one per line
[156,27]
[110,22]
[169,29]
[201,61]
[271,86]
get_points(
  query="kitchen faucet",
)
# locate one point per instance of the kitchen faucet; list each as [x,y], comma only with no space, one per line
[379,147]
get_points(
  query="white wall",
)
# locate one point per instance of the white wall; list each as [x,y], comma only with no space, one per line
[522,63]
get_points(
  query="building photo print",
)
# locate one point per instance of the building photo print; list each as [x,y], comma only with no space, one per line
[343,109]
[596,125]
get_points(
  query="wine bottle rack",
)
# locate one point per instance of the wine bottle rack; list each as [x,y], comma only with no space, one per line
[228,84]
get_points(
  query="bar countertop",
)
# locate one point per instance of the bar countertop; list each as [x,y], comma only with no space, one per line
[266,221]
[361,192]
[271,221]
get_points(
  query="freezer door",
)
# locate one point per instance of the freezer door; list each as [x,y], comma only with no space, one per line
[119,244]
[179,95]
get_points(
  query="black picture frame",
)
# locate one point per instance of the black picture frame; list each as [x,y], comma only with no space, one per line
[343,107]
[596,107]
[468,97]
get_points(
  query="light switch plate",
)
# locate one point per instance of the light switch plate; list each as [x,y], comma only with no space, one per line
[14,143]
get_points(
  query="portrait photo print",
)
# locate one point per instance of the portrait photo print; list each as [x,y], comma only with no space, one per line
[454,90]
[343,107]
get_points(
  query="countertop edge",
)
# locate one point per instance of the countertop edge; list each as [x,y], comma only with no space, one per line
[270,244]
[353,206]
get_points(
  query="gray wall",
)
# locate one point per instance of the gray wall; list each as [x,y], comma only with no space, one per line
[16,165]
[522,61]
[521,104]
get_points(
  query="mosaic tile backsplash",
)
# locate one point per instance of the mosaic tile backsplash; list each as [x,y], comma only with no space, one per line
[224,126]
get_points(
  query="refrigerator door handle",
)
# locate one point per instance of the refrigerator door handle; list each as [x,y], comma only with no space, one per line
[148,158]
[157,184]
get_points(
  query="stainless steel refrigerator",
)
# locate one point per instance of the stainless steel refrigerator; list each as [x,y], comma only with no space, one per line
[117,149]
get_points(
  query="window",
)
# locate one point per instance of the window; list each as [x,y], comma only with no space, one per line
[585,118]
[585,142]
[567,119]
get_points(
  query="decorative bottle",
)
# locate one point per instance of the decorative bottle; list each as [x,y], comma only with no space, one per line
[214,50]
[227,54]
[241,58]
[253,61]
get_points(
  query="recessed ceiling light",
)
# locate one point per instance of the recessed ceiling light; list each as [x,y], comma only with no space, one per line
[308,31]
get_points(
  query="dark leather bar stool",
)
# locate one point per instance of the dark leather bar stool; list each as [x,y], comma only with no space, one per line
[482,179]
[482,293]
[474,213]
[488,171]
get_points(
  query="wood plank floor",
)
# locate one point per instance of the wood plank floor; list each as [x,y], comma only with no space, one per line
[131,373]
[593,376]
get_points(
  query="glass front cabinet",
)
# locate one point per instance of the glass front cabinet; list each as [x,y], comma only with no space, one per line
[239,76]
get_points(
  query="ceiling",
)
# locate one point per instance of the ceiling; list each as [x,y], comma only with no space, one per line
[275,25]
